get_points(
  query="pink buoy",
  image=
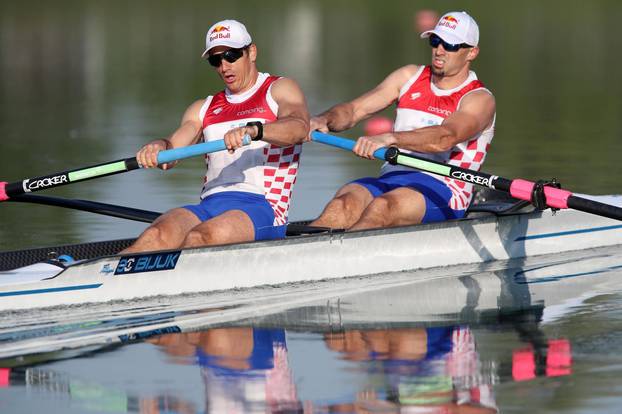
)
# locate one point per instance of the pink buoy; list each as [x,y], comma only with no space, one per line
[378,125]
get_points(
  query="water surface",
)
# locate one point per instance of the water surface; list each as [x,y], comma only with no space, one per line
[528,335]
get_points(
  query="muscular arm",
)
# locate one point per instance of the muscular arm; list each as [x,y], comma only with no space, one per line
[292,123]
[191,127]
[344,116]
[188,133]
[476,113]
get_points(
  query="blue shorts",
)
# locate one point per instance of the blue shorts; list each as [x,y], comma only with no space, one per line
[255,206]
[435,192]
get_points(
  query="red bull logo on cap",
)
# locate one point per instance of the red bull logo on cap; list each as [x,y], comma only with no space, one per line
[220,32]
[448,21]
[219,29]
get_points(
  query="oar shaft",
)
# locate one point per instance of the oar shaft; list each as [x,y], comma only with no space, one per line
[394,156]
[594,207]
[29,185]
[518,188]
[59,179]
[111,210]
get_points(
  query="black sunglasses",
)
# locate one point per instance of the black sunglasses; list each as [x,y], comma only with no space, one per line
[435,41]
[230,55]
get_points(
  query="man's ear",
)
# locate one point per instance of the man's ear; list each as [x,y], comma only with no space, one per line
[252,52]
[473,52]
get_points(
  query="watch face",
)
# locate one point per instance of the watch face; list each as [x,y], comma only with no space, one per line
[259,126]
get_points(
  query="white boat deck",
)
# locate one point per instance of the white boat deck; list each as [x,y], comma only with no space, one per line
[312,258]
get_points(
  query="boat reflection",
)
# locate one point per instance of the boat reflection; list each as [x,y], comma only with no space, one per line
[442,345]
[436,369]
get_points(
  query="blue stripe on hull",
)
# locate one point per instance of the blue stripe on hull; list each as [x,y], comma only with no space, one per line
[50,290]
[568,233]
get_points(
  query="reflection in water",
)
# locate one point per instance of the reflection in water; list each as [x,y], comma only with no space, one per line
[244,370]
[437,368]
[527,362]
[478,341]
[402,370]
[89,395]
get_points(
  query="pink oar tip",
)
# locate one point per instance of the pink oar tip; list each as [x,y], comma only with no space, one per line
[3,194]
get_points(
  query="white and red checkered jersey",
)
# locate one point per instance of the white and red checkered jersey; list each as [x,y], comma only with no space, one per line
[422,104]
[259,168]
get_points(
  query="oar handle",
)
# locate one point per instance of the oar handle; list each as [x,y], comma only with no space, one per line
[343,143]
[176,154]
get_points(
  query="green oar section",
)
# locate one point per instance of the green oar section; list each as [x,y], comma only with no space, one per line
[29,185]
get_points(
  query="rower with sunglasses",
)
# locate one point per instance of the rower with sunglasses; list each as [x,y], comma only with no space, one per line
[247,189]
[444,113]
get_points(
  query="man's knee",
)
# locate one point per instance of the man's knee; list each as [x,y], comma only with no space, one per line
[396,208]
[153,234]
[353,198]
[205,236]
[231,227]
[403,206]
[379,210]
[153,238]
[196,238]
[340,202]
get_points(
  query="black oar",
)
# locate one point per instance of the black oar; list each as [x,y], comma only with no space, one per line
[29,185]
[539,194]
[128,213]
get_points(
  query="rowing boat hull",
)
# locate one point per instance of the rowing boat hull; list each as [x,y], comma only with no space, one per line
[314,257]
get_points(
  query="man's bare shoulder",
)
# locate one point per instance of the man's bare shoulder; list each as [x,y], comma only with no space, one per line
[402,75]
[285,83]
[410,69]
[481,105]
[198,103]
[193,111]
[479,97]
[285,87]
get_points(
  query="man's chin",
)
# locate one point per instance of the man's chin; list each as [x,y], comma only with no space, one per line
[438,72]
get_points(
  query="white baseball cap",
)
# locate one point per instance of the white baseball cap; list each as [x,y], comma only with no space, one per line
[227,33]
[456,28]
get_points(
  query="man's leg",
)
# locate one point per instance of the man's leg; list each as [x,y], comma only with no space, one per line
[233,226]
[399,207]
[167,232]
[346,208]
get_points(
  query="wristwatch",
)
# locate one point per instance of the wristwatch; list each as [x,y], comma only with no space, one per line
[259,126]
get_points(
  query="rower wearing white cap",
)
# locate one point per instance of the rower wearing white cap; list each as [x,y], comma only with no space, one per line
[444,113]
[247,189]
